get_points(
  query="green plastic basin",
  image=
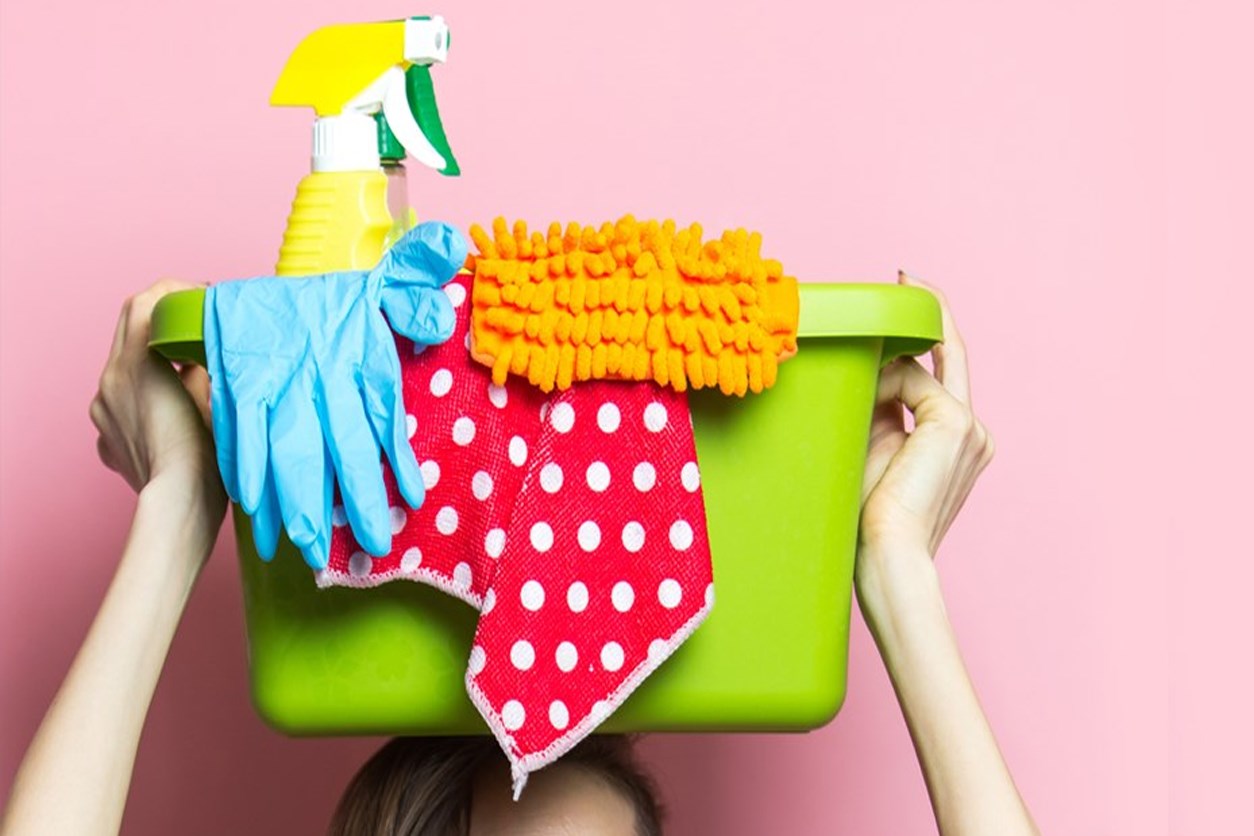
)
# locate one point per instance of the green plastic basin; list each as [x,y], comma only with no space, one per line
[781,474]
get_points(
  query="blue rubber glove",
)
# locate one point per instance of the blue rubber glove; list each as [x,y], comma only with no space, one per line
[306,388]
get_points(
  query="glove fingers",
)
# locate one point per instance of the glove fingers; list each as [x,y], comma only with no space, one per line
[266,520]
[221,404]
[386,410]
[318,553]
[223,409]
[299,463]
[251,452]
[429,254]
[424,315]
[355,454]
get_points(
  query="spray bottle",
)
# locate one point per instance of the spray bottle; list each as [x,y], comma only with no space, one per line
[370,87]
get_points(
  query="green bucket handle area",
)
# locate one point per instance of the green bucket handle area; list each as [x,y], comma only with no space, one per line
[908,319]
[780,477]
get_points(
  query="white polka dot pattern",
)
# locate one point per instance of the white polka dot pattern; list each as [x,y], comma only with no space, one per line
[655,417]
[577,597]
[463,576]
[681,535]
[541,537]
[589,536]
[456,294]
[623,596]
[551,478]
[573,521]
[612,656]
[522,655]
[430,474]
[446,520]
[481,485]
[463,431]
[644,477]
[441,382]
[609,417]
[563,417]
[513,715]
[398,518]
[517,451]
[532,595]
[669,592]
[359,564]
[598,476]
[691,477]
[494,542]
[411,560]
[633,537]
[566,657]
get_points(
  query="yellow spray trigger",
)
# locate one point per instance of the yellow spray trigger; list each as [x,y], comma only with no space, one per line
[334,64]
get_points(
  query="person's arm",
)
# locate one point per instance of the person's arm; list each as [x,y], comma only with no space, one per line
[915,484]
[76,773]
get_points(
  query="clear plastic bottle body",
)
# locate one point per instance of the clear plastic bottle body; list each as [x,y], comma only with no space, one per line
[398,200]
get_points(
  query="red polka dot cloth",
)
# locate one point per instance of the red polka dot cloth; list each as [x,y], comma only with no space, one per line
[573,522]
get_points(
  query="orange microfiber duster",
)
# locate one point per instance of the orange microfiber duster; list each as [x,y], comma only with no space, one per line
[630,301]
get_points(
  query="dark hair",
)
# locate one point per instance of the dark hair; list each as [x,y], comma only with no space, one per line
[421,786]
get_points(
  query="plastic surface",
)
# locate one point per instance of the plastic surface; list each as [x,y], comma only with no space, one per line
[421,95]
[782,475]
[353,70]
[398,200]
[907,318]
[306,388]
[335,63]
[390,148]
[347,142]
[338,221]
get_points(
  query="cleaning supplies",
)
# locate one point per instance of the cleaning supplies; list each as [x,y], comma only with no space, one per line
[348,73]
[631,301]
[305,389]
[338,662]
[342,218]
[392,163]
[572,521]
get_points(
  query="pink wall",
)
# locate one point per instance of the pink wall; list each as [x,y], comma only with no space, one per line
[1012,153]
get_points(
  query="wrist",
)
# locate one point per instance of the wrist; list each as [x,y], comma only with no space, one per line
[892,582]
[190,510]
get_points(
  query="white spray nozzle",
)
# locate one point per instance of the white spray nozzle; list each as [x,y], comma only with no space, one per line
[336,60]
[426,40]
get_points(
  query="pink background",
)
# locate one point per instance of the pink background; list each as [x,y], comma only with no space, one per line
[1068,172]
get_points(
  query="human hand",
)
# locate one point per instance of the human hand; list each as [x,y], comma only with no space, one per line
[152,418]
[915,483]
[306,389]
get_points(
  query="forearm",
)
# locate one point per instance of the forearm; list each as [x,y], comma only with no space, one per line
[971,789]
[77,771]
